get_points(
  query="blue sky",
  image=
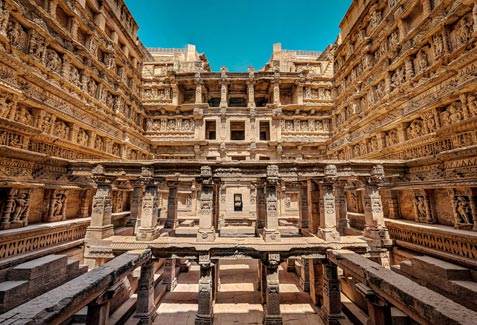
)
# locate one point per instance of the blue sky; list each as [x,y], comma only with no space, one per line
[239,33]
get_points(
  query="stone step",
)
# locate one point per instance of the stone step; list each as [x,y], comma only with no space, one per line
[11,289]
[38,268]
[441,269]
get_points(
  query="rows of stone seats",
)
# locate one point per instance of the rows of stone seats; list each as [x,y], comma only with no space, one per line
[453,281]
[28,280]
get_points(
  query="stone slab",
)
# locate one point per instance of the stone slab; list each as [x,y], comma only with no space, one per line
[440,268]
[38,267]
[11,289]
[237,231]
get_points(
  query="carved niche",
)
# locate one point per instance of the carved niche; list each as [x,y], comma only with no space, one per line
[15,208]
[56,206]
[464,209]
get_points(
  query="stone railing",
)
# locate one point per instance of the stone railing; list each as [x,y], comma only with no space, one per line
[356,220]
[33,238]
[456,245]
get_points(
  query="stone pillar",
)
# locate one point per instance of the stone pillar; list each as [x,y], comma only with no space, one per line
[148,229]
[145,307]
[304,217]
[305,276]
[84,203]
[316,282]
[271,232]
[314,206]
[379,311]
[98,310]
[171,220]
[135,215]
[198,90]
[206,212]
[331,308]
[224,89]
[101,226]
[327,230]
[342,207]
[251,92]
[299,93]
[391,198]
[262,208]
[169,274]
[276,92]
[290,265]
[205,311]
[272,291]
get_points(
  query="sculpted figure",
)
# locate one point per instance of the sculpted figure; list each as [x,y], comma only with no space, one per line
[454,113]
[420,207]
[24,116]
[58,203]
[472,105]
[422,61]
[464,31]
[22,202]
[463,210]
[438,44]
[15,34]
[52,60]
[430,123]
[445,118]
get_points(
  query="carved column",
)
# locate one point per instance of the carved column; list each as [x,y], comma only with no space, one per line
[271,232]
[145,307]
[375,230]
[327,230]
[175,93]
[171,221]
[205,310]
[135,216]
[101,226]
[206,212]
[342,207]
[331,308]
[272,291]
[169,274]
[148,230]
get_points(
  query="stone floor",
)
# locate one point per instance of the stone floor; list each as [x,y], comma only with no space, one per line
[238,301]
